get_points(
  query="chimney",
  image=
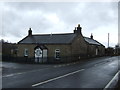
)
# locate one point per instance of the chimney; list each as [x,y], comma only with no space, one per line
[79,29]
[91,36]
[29,32]
[75,31]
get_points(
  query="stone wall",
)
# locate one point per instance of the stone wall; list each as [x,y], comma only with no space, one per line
[92,50]
[79,48]
[65,52]
[22,47]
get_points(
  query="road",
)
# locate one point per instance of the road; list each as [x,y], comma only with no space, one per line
[92,73]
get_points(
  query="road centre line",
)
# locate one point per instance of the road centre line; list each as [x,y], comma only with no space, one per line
[37,84]
[104,62]
[99,63]
[9,75]
[55,66]
[62,65]
[47,68]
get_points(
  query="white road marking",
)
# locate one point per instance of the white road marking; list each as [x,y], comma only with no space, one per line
[33,70]
[8,75]
[55,66]
[34,85]
[59,65]
[22,72]
[13,74]
[100,63]
[63,65]
[113,79]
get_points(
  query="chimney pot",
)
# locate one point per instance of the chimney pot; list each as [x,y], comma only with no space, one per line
[29,32]
[91,36]
[79,29]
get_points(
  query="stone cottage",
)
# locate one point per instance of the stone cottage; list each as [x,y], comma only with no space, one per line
[52,48]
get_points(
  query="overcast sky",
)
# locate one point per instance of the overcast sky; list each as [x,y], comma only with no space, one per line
[98,18]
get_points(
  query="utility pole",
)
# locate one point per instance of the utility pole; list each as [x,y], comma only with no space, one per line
[108,40]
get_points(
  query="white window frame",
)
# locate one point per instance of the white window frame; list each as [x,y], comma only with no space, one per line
[25,52]
[57,51]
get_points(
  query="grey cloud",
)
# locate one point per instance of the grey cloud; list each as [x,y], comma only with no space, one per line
[119,23]
[90,15]
[93,15]
[45,6]
[10,23]
[14,21]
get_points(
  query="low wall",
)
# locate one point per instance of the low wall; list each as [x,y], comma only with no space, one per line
[64,59]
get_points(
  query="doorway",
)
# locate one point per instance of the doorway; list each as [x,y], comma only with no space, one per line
[40,54]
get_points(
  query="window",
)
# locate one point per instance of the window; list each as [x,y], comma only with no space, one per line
[14,51]
[57,54]
[26,52]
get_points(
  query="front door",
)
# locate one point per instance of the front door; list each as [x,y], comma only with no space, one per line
[38,55]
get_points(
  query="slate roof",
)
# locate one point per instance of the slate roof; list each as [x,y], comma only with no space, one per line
[54,39]
[49,39]
[92,41]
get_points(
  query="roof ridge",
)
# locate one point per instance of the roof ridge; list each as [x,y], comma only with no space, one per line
[85,37]
[52,34]
[48,38]
[99,42]
[90,38]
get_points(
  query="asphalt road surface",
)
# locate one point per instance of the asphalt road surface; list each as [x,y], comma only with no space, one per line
[93,73]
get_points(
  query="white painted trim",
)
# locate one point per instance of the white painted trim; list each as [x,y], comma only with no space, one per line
[114,79]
